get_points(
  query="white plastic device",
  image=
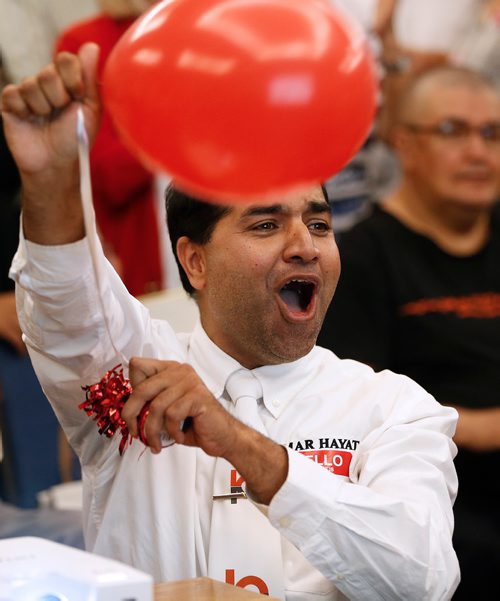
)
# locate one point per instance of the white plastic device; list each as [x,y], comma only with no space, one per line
[35,569]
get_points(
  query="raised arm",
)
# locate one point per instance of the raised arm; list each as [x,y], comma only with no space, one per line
[40,127]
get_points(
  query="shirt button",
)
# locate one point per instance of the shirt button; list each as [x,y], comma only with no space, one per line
[276,403]
[285,522]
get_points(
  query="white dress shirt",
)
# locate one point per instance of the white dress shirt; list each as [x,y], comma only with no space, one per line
[431,26]
[366,510]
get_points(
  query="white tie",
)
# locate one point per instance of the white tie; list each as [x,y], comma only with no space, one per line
[245,549]
[245,391]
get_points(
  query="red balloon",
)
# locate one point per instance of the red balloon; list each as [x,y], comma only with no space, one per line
[242,99]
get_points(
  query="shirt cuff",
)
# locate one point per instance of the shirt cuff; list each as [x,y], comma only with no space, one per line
[297,508]
[59,263]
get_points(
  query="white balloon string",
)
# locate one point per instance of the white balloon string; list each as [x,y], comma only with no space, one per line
[90,223]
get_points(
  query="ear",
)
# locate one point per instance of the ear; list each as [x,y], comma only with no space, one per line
[191,256]
[403,144]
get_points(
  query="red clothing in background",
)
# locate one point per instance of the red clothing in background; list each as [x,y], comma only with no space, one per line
[123,189]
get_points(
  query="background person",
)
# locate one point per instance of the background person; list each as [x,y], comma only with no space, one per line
[420,289]
[123,189]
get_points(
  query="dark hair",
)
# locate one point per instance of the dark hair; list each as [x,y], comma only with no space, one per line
[191,217]
[194,218]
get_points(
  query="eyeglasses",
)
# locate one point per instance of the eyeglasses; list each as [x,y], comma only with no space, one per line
[458,130]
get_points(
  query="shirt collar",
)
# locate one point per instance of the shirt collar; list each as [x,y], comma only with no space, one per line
[280,383]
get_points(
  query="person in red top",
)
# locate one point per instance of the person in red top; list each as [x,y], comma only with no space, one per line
[123,189]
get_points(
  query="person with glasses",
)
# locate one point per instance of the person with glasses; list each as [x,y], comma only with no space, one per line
[420,289]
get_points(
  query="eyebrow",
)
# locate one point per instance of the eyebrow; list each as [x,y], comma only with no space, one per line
[313,206]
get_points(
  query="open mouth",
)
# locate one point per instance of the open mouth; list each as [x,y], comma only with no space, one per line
[298,295]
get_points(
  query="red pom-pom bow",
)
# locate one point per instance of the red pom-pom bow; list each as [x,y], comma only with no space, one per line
[105,400]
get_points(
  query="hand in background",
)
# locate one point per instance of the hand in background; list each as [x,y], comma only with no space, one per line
[478,429]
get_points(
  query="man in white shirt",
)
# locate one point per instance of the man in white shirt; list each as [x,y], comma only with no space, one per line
[342,487]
